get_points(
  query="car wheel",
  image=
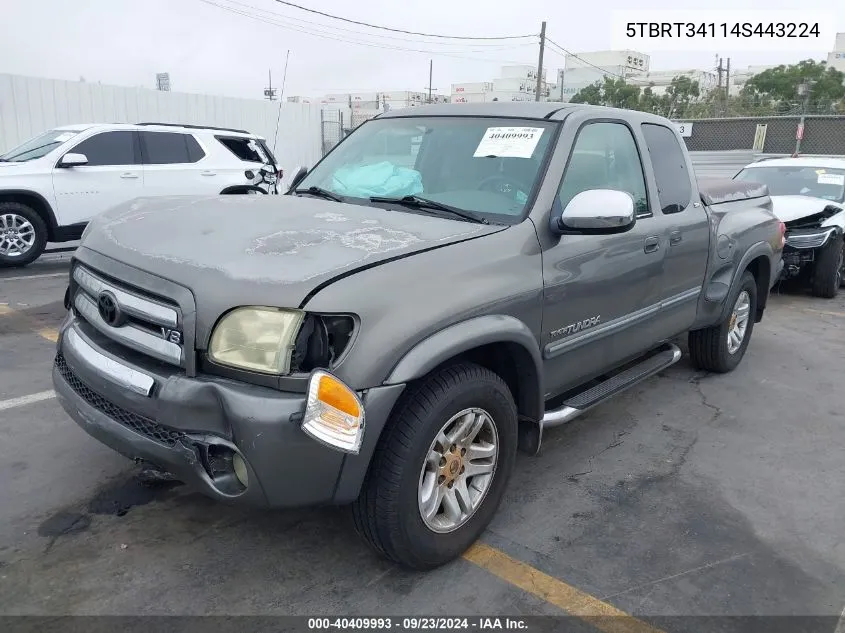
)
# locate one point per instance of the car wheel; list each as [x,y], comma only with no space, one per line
[440,469]
[720,348]
[828,272]
[23,234]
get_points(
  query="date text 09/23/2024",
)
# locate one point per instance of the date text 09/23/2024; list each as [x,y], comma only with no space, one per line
[774,30]
[416,623]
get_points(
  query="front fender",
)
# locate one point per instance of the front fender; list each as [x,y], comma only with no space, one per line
[462,337]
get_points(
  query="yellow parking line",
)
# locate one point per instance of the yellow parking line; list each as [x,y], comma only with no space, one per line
[49,333]
[601,615]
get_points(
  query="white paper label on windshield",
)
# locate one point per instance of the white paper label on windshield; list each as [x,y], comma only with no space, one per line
[832,179]
[61,138]
[509,142]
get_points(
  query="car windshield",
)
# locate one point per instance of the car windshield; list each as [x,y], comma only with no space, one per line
[486,166]
[39,146]
[803,180]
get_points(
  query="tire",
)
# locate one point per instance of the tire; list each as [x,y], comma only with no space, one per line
[828,270]
[15,216]
[388,515]
[709,348]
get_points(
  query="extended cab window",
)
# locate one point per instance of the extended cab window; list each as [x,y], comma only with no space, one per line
[605,156]
[169,148]
[108,148]
[670,168]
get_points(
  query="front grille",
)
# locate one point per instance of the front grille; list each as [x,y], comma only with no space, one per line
[138,423]
[148,325]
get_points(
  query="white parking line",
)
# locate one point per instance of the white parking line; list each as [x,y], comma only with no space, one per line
[24,400]
[41,276]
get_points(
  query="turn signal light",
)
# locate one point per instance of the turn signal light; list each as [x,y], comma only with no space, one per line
[334,414]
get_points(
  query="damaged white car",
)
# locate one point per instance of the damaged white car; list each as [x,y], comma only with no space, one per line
[808,195]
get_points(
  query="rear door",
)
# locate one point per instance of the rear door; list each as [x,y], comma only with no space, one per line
[684,229]
[173,165]
[598,288]
[112,175]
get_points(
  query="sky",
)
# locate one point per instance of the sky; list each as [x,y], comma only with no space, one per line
[210,47]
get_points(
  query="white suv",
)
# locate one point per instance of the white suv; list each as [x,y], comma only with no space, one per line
[52,185]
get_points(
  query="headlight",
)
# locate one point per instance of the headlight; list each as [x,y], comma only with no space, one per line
[256,338]
[809,239]
[334,415]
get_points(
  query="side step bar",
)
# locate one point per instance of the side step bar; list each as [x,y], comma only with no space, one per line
[579,403]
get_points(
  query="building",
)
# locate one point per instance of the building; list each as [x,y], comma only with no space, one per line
[514,83]
[584,69]
[660,80]
[371,101]
[836,58]
[739,77]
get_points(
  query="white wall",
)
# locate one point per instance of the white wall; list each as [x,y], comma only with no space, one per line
[31,105]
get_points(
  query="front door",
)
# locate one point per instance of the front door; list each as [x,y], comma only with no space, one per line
[112,175]
[598,287]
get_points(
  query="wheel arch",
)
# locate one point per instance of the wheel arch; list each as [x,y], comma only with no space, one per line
[758,261]
[501,343]
[37,202]
[241,190]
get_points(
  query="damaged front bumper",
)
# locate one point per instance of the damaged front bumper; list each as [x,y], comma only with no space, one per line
[800,248]
[232,441]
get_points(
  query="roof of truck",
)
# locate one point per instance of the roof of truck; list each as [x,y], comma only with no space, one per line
[516,109]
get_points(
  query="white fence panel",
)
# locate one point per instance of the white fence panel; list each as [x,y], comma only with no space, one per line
[31,105]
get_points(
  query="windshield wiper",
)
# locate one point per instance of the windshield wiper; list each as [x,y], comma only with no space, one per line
[424,203]
[320,192]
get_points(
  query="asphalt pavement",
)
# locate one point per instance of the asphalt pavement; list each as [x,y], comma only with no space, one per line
[690,495]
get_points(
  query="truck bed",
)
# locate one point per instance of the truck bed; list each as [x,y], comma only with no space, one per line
[721,190]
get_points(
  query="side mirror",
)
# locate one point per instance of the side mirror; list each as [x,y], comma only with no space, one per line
[298,177]
[598,211]
[73,160]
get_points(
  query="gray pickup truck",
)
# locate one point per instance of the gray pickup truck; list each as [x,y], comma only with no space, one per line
[444,285]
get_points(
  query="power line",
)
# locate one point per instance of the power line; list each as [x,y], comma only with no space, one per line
[340,28]
[322,35]
[387,28]
[582,60]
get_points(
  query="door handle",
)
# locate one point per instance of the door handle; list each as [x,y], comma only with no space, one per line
[652,244]
[208,173]
[129,174]
[675,237]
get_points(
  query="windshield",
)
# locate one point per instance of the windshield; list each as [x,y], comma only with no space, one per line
[819,182]
[482,165]
[39,146]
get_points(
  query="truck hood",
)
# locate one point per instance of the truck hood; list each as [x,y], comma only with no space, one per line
[791,208]
[239,250]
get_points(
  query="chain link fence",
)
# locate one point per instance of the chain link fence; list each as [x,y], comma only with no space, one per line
[771,135]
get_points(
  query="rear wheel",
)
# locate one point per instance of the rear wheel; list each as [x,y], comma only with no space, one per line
[23,234]
[441,468]
[828,271]
[720,348]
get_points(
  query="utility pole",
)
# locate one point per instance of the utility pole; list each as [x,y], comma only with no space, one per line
[719,92]
[269,91]
[430,74]
[727,86]
[540,61]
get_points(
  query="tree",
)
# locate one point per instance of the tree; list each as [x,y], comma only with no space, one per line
[681,92]
[614,93]
[778,87]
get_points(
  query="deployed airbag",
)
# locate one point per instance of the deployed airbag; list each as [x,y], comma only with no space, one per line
[378,179]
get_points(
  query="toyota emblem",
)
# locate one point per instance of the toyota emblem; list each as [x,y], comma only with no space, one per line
[109,309]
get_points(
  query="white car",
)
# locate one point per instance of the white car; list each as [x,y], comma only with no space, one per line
[52,185]
[808,195]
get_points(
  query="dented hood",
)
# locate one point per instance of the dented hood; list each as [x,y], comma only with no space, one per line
[269,250]
[789,208]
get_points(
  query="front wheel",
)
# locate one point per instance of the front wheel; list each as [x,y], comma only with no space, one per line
[828,271]
[721,347]
[440,469]
[23,234]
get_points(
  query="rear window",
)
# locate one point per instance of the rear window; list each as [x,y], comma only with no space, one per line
[169,148]
[247,149]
